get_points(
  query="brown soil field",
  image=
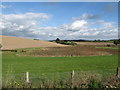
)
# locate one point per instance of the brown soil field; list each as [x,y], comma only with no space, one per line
[53,49]
[94,43]
[79,50]
[9,42]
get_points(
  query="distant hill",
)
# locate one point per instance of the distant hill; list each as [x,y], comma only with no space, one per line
[9,42]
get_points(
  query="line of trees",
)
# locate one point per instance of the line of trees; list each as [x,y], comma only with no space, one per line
[65,42]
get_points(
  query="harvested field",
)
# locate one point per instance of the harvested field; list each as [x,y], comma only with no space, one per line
[94,43]
[79,50]
[44,48]
[9,42]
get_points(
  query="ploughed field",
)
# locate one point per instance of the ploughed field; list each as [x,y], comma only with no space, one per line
[78,50]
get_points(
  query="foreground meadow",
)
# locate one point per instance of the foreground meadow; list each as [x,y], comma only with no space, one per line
[94,66]
[56,68]
[20,64]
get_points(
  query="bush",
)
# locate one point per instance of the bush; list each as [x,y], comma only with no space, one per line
[57,40]
[0,46]
[116,42]
[94,84]
[35,39]
[65,42]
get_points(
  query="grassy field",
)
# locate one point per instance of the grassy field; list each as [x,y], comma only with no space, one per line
[56,71]
[39,65]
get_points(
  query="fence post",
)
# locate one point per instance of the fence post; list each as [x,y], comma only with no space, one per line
[118,72]
[27,77]
[72,78]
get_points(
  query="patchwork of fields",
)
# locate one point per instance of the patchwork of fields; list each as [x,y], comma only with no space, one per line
[56,64]
[78,50]
[61,59]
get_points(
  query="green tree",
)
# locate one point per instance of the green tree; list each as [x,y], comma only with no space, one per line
[0,46]
[116,42]
[57,40]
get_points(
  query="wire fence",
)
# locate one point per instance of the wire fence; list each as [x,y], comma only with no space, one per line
[57,79]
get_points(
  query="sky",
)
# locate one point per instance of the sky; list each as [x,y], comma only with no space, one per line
[64,20]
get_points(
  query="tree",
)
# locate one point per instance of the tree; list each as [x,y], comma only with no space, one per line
[116,42]
[57,40]
[0,46]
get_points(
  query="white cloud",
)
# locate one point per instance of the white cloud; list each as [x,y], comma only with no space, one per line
[27,18]
[2,6]
[22,24]
[30,25]
[79,24]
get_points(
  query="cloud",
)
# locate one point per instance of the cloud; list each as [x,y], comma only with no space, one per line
[22,24]
[22,19]
[2,6]
[29,25]
[78,24]
[87,16]
[110,8]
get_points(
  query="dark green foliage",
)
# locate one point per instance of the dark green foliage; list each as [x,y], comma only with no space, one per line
[116,42]
[94,84]
[0,46]
[35,39]
[57,40]
[65,42]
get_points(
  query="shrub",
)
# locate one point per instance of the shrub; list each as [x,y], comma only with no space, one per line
[116,42]
[0,46]
[35,39]
[65,42]
[57,40]
[94,84]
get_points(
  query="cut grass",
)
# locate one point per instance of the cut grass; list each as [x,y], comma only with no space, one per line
[40,65]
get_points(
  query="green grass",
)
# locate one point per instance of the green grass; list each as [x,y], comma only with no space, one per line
[108,47]
[40,65]
[50,69]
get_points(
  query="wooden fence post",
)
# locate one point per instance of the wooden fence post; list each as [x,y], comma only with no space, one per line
[72,78]
[27,77]
[118,72]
